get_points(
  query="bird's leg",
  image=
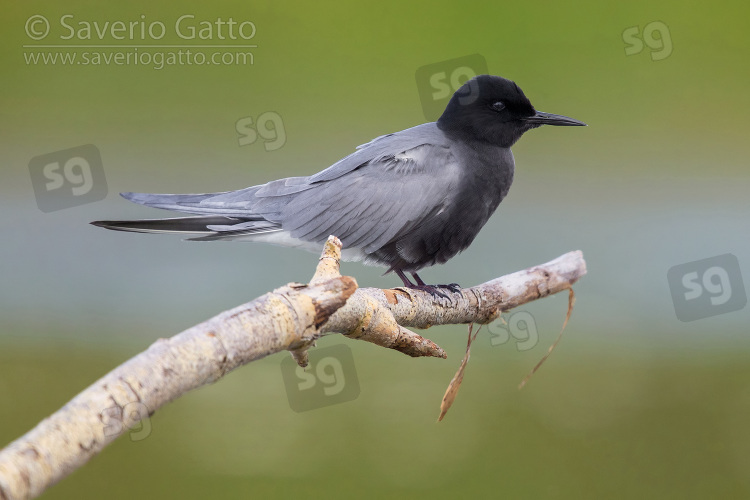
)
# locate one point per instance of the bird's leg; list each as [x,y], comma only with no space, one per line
[404,278]
[418,279]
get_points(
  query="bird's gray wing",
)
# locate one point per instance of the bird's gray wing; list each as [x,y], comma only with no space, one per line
[400,183]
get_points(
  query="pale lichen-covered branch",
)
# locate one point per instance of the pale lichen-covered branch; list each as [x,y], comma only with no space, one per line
[61,443]
[289,318]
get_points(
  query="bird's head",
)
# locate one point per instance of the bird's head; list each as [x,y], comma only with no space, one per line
[495,110]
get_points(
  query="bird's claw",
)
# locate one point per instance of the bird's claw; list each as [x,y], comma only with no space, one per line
[435,290]
[453,287]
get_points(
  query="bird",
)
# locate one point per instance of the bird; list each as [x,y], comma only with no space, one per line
[404,201]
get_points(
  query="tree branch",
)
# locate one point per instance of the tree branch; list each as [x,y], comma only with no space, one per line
[289,318]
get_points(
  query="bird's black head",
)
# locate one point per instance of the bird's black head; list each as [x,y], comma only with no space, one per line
[493,109]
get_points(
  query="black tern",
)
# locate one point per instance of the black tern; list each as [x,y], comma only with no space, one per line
[406,200]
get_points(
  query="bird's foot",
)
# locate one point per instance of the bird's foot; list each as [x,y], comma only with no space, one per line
[453,287]
[433,290]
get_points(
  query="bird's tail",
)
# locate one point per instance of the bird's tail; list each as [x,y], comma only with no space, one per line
[221,215]
[177,202]
[209,228]
[194,225]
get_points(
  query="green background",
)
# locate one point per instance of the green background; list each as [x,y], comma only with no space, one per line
[632,404]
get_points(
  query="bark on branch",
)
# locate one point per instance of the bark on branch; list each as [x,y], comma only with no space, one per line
[289,318]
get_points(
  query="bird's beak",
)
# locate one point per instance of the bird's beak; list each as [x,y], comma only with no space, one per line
[542,118]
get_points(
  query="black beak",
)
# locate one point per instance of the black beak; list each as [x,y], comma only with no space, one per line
[542,118]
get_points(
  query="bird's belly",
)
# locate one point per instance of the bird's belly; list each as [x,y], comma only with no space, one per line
[284,239]
[434,241]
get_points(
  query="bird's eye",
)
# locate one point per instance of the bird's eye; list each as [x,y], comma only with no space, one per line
[498,106]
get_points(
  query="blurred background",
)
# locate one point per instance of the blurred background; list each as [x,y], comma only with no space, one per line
[647,395]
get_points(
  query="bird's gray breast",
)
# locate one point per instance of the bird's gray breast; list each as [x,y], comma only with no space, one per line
[486,177]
